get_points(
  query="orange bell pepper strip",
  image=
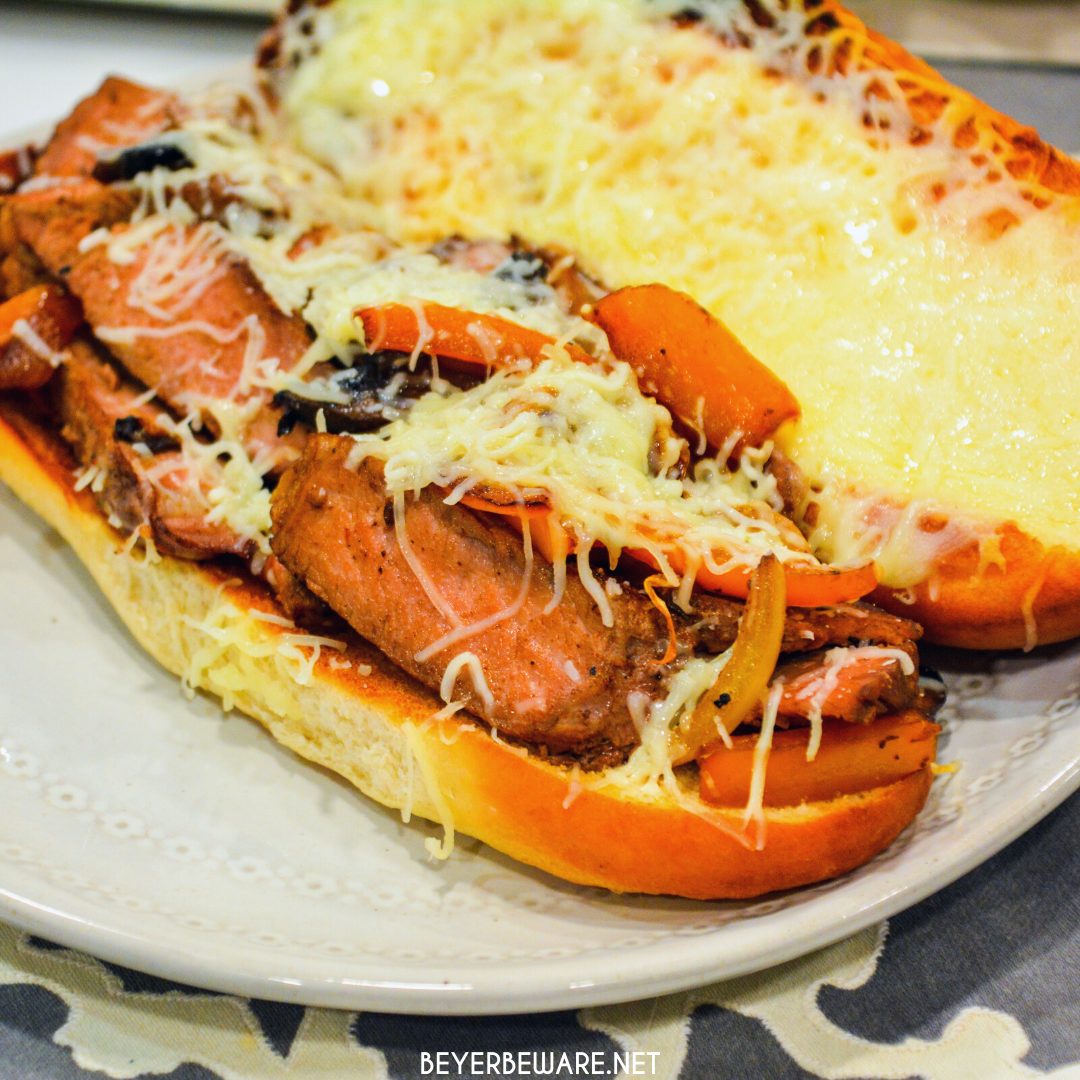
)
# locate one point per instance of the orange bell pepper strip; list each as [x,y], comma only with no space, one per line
[53,315]
[851,758]
[549,536]
[19,307]
[468,337]
[807,586]
[744,679]
[692,363]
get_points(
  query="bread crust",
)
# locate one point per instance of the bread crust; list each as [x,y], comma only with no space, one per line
[1032,595]
[1029,597]
[929,96]
[372,725]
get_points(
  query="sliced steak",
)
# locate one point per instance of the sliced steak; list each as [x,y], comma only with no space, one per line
[515,260]
[184,316]
[19,269]
[110,430]
[480,256]
[144,310]
[715,622]
[143,482]
[53,222]
[119,113]
[558,679]
[855,684]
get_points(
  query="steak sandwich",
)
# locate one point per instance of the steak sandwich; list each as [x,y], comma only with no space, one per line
[381,401]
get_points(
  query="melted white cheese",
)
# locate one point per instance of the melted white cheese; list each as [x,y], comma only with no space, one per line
[931,363]
[582,434]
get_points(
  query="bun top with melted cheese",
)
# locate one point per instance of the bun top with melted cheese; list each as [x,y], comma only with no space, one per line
[902,257]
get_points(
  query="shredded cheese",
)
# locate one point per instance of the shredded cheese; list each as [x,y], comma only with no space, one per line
[180,267]
[22,331]
[1027,607]
[440,850]
[649,773]
[467,661]
[233,637]
[755,810]
[736,174]
[582,434]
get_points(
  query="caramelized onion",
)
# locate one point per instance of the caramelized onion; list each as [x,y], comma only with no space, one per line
[744,679]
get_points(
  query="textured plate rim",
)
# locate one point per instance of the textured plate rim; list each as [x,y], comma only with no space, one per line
[667,966]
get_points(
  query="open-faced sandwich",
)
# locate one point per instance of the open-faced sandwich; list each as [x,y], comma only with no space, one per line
[379,401]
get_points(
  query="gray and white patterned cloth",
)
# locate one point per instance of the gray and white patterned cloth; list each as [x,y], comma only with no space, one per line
[981,980]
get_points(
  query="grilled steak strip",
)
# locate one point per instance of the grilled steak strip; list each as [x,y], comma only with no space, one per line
[191,356]
[179,278]
[560,680]
[93,401]
[854,685]
[109,426]
[118,114]
[715,621]
[515,260]
[52,222]
[193,363]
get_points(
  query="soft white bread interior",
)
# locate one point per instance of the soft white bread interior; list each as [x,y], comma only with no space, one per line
[902,255]
[344,707]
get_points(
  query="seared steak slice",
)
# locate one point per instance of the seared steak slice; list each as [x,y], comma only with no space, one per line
[715,621]
[19,267]
[145,317]
[111,431]
[515,260]
[142,481]
[54,221]
[856,684]
[184,317]
[119,113]
[558,679]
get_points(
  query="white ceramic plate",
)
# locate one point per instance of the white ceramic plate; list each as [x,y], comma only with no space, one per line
[161,834]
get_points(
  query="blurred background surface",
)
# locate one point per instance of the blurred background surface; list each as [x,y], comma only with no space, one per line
[52,53]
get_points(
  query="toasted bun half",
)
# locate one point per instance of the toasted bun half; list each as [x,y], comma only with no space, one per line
[1030,597]
[356,715]
[900,253]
